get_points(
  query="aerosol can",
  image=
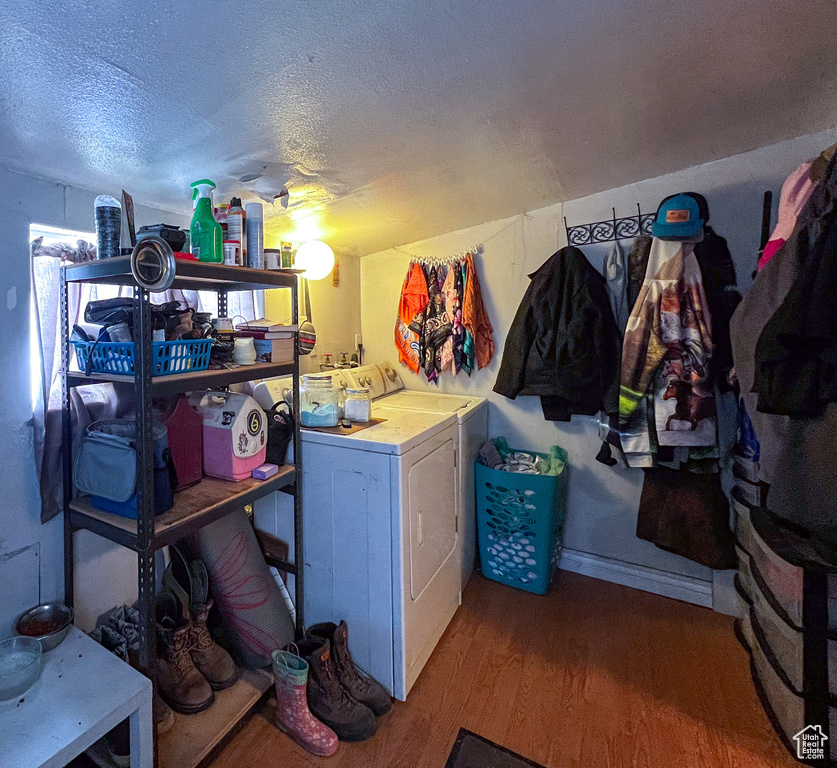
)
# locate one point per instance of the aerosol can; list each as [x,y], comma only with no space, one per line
[205,233]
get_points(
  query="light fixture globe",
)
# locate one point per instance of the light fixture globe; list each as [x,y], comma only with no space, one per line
[315,258]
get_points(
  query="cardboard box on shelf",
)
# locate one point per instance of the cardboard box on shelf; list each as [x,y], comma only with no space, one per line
[274,350]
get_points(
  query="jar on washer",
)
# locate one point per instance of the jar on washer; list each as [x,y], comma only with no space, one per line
[318,401]
[358,405]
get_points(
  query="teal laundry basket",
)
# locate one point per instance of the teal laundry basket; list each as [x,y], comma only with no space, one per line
[520,520]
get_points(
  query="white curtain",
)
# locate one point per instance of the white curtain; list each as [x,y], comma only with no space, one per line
[87,403]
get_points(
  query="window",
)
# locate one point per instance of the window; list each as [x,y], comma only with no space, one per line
[45,288]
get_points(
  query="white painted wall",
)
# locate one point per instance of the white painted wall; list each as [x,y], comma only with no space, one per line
[106,573]
[603,502]
[336,313]
[335,310]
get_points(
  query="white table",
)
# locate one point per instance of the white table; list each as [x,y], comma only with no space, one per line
[83,692]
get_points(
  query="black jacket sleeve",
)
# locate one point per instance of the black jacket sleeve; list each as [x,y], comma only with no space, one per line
[523,331]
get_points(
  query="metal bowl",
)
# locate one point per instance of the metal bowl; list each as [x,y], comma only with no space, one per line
[20,666]
[31,624]
[152,264]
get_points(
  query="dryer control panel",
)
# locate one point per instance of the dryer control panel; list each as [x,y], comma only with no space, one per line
[378,379]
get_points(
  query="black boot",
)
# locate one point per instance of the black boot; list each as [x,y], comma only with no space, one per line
[362,687]
[328,700]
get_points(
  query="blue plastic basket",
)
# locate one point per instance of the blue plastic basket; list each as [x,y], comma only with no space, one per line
[167,357]
[520,519]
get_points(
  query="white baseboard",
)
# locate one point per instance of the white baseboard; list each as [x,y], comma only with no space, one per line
[664,583]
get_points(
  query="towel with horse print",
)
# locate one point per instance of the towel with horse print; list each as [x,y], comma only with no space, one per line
[684,412]
[668,348]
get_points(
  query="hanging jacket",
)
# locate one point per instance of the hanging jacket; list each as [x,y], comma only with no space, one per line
[795,193]
[616,274]
[412,303]
[474,316]
[798,452]
[563,344]
[723,298]
[688,514]
[637,266]
[796,354]
[670,321]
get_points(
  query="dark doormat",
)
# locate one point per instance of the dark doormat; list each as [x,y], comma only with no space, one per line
[472,751]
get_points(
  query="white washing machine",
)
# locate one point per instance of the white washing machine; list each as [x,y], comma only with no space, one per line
[472,419]
[380,528]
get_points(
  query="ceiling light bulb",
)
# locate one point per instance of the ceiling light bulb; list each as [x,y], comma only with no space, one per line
[315,258]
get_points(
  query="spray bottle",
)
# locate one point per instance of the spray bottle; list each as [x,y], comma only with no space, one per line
[206,237]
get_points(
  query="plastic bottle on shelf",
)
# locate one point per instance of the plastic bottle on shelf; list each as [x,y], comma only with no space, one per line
[207,240]
[221,218]
[108,223]
[255,235]
[237,227]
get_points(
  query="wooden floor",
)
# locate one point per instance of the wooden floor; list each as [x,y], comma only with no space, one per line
[592,676]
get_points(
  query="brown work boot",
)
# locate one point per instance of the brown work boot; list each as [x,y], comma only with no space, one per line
[189,582]
[328,700]
[179,683]
[163,715]
[212,661]
[362,687]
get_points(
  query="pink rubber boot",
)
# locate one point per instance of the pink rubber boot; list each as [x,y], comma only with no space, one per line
[292,713]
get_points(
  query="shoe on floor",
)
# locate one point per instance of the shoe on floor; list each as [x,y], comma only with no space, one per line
[362,687]
[189,582]
[179,682]
[328,700]
[293,716]
[163,715]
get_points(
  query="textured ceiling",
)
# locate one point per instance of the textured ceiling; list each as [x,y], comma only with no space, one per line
[397,120]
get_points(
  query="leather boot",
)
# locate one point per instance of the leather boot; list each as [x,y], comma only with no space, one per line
[292,714]
[213,662]
[179,683]
[163,715]
[328,700]
[362,687]
[190,584]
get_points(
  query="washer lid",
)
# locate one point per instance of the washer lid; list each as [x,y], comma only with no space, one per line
[430,401]
[401,431]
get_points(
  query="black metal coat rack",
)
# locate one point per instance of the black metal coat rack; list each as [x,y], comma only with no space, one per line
[610,229]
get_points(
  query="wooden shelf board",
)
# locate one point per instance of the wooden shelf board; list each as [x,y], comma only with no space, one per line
[193,737]
[194,380]
[195,275]
[205,502]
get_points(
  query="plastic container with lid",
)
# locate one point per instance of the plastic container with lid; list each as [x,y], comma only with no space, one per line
[237,227]
[232,253]
[108,212]
[272,258]
[221,218]
[358,405]
[318,401]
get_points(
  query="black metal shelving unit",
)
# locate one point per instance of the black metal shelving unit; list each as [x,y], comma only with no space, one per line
[194,508]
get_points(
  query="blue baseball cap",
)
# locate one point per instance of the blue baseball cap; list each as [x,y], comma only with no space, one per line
[678,218]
